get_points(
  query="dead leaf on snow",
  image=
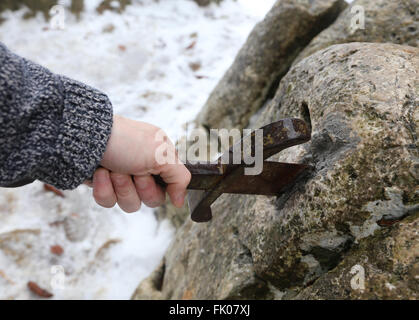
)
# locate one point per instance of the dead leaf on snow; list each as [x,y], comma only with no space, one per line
[33,287]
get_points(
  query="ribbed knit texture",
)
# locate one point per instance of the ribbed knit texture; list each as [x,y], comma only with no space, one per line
[52,128]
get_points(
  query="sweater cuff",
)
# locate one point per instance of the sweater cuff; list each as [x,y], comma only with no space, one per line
[82,137]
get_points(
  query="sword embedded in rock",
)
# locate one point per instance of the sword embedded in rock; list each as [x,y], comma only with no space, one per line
[211,179]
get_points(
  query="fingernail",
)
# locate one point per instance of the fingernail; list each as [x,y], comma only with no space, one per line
[155,204]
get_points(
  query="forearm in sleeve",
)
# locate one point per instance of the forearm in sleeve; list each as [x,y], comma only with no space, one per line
[52,128]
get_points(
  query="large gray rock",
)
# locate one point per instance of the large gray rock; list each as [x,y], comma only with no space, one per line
[387,264]
[362,103]
[395,21]
[265,58]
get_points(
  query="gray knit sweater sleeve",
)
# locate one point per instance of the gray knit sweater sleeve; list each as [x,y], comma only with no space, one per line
[51,128]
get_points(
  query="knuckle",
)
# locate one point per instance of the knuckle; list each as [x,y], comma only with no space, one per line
[122,184]
[119,179]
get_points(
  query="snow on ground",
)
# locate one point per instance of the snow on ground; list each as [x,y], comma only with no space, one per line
[157,62]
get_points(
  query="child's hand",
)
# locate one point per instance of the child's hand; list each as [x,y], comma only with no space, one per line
[128,163]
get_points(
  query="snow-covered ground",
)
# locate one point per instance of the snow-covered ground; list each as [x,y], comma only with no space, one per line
[157,62]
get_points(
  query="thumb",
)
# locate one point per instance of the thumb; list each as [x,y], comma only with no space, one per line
[177,177]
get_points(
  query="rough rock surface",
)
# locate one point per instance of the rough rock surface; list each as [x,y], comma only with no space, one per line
[266,56]
[390,267]
[204,3]
[362,103]
[177,216]
[395,21]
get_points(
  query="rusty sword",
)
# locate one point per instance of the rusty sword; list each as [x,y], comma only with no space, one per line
[211,179]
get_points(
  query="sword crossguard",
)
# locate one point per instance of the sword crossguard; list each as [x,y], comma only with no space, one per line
[274,179]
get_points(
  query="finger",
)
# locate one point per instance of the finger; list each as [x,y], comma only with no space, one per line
[149,192]
[103,191]
[177,178]
[126,193]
